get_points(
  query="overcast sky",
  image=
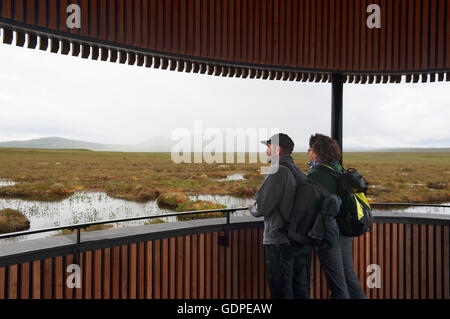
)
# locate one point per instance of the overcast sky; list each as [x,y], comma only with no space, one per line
[44,94]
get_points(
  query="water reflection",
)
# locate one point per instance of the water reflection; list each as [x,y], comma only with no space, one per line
[85,207]
[232,177]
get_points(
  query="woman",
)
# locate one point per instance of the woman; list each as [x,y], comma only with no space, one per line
[338,260]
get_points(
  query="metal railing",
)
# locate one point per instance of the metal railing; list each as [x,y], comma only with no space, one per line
[225,211]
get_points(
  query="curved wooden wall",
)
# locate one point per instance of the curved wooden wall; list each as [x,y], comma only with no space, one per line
[276,39]
[414,261]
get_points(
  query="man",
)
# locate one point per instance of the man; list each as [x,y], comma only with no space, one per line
[287,262]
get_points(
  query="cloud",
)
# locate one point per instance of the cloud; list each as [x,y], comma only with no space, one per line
[44,94]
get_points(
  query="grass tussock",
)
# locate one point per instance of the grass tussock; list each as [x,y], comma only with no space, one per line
[12,220]
[55,174]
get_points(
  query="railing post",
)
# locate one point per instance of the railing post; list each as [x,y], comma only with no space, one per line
[337,84]
[77,249]
[225,240]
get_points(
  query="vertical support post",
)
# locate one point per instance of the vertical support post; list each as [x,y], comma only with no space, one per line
[337,85]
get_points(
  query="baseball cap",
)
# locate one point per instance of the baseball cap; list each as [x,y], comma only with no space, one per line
[283,140]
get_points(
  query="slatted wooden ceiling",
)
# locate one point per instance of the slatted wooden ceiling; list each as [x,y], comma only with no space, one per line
[303,40]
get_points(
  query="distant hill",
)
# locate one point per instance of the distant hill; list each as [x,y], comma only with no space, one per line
[156,144]
[406,149]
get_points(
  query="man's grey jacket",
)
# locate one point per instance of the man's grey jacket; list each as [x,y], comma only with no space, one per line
[275,197]
[314,206]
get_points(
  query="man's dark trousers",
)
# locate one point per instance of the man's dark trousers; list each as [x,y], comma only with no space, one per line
[288,270]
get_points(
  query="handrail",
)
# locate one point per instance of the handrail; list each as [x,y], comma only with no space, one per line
[78,227]
[225,211]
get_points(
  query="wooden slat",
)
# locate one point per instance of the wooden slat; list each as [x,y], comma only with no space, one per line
[149,269]
[425,34]
[387,264]
[255,261]
[215,265]
[124,272]
[102,19]
[97,274]
[205,27]
[367,249]
[187,267]
[423,261]
[430,261]
[446,262]
[394,262]
[221,274]
[177,28]
[31,12]
[360,257]
[115,273]
[194,271]
[276,33]
[86,18]
[241,264]
[269,34]
[180,262]
[447,42]
[351,34]
[47,278]
[261,272]
[401,261]
[282,33]
[157,269]
[408,261]
[94,17]
[42,13]
[417,35]
[6,9]
[223,31]
[58,278]
[433,34]
[320,31]
[167,25]
[235,264]
[13,281]
[172,267]
[380,251]
[211,29]
[87,277]
[228,268]
[415,262]
[208,266]
[120,21]
[164,268]
[137,27]
[373,256]
[145,23]
[438,261]
[132,271]
[201,267]
[410,34]
[106,273]
[2,282]
[19,10]
[25,276]
[111,20]
[154,31]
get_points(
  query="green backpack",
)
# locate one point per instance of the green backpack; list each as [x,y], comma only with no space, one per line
[355,217]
